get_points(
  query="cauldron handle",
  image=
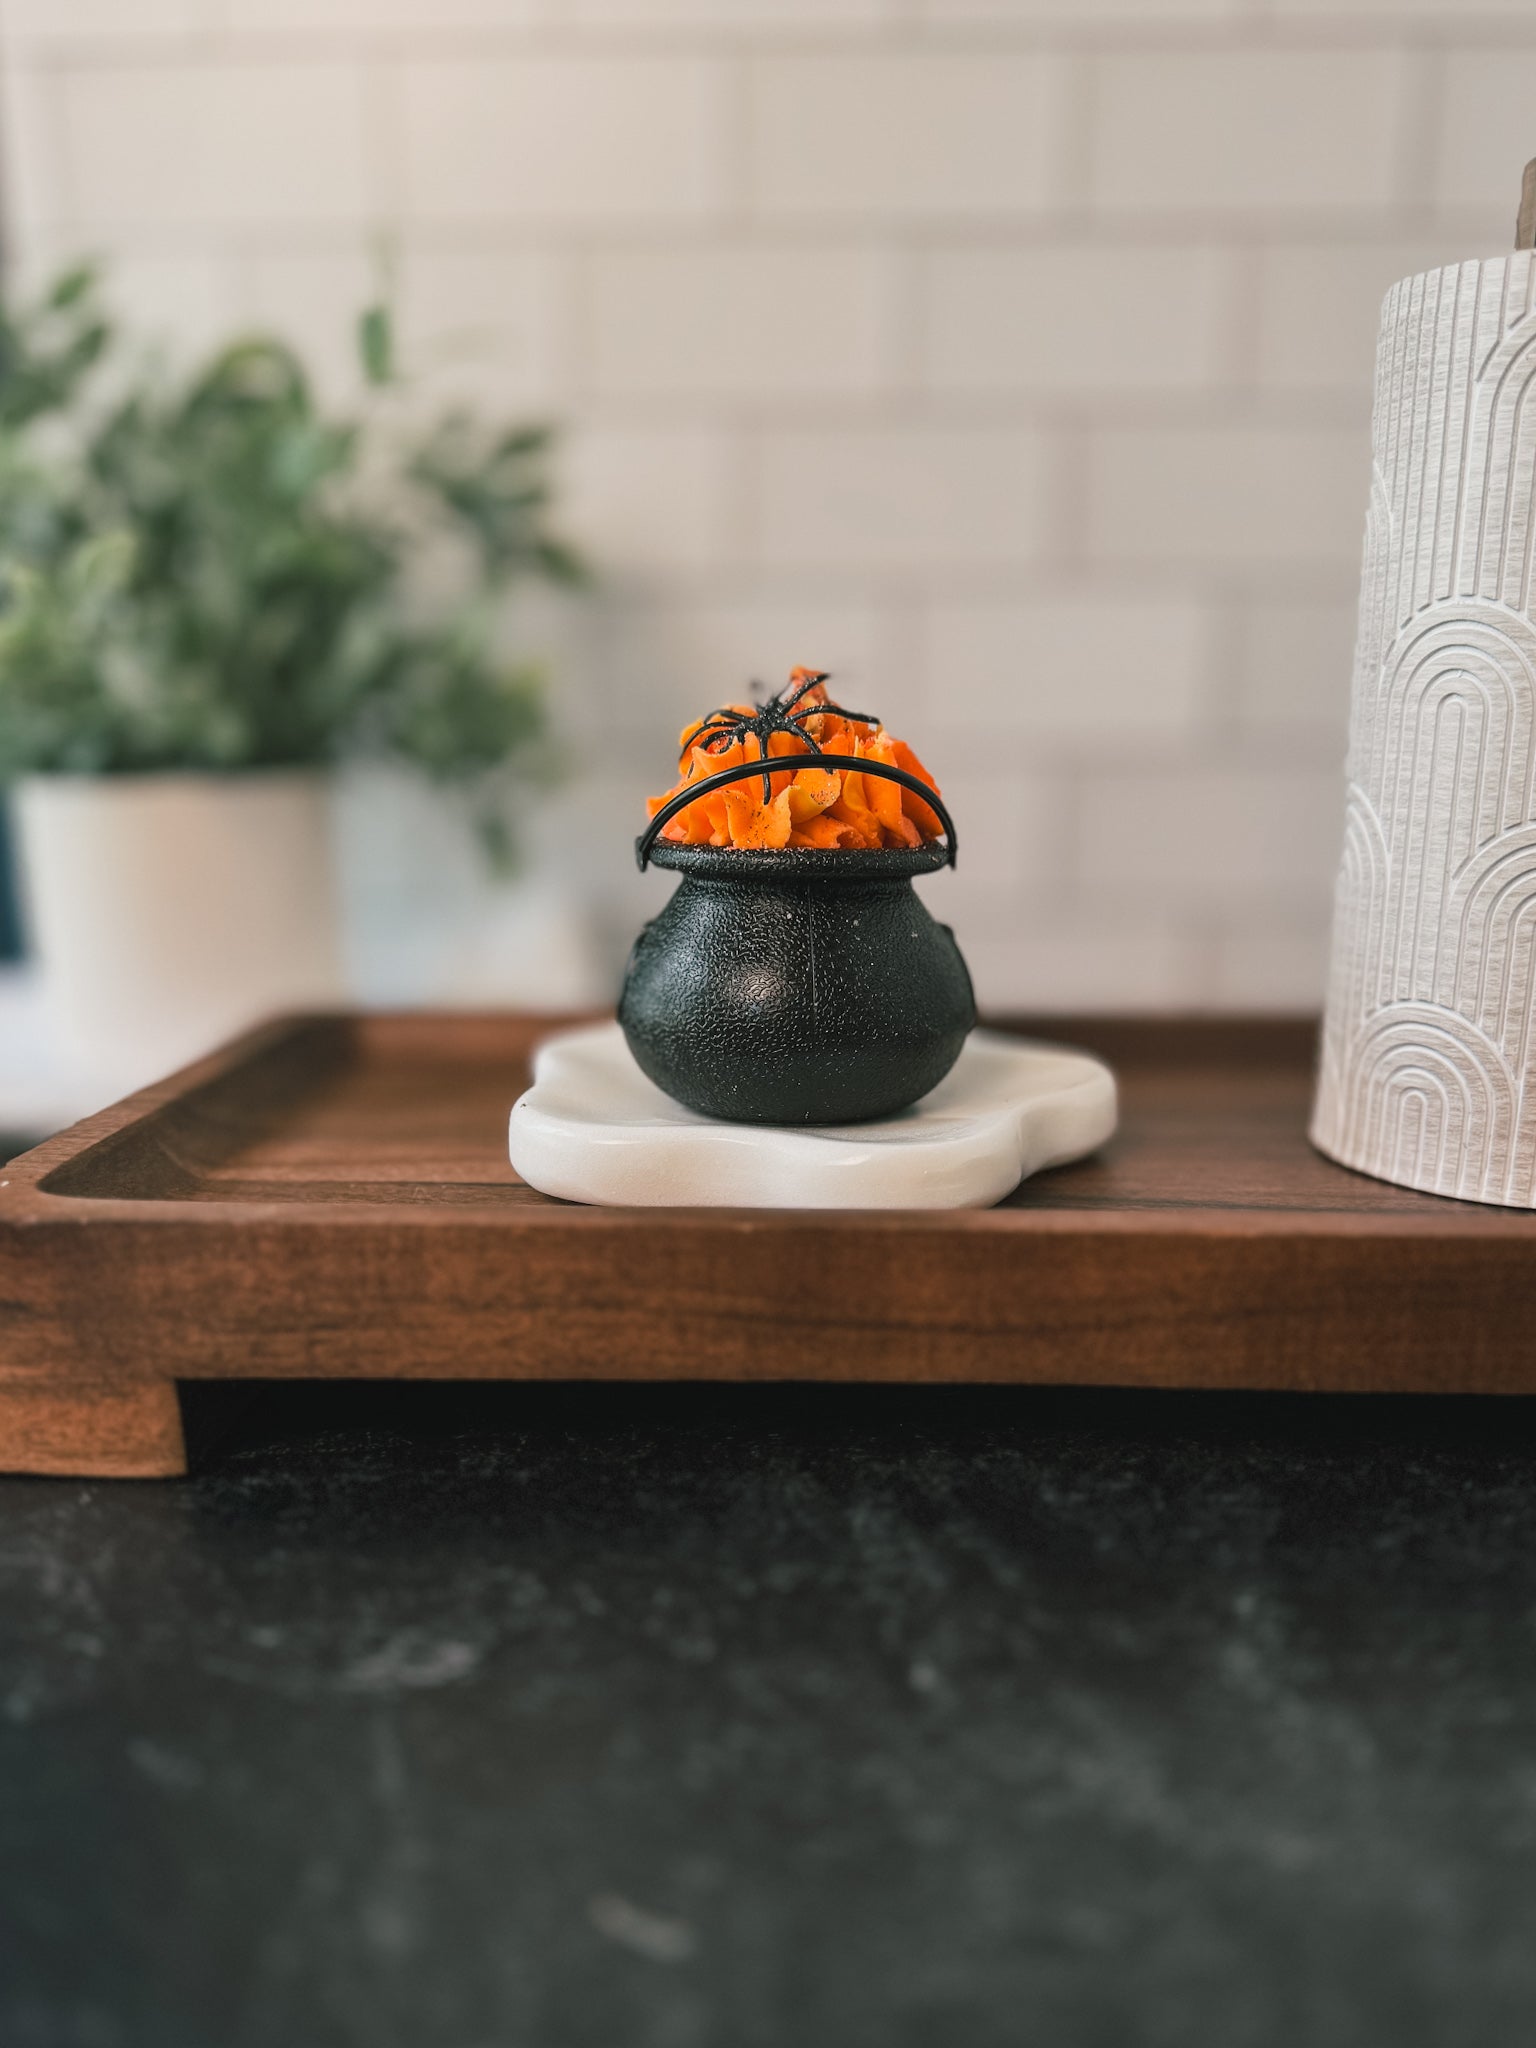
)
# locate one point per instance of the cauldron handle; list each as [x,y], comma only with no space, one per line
[779,764]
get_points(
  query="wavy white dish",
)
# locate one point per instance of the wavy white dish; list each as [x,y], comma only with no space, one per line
[592,1128]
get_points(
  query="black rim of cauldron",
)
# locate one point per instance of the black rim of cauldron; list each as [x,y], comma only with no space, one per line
[800,863]
[885,860]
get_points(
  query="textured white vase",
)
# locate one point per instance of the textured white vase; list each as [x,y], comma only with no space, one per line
[168,911]
[1429,1047]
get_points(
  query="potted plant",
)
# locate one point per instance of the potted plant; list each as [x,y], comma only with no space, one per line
[211,592]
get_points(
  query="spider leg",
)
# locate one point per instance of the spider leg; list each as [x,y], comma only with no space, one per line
[705,746]
[762,746]
[793,698]
[705,728]
[790,723]
[708,733]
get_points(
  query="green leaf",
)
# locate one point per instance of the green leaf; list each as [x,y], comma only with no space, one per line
[376,344]
[71,287]
[521,441]
[216,571]
[561,563]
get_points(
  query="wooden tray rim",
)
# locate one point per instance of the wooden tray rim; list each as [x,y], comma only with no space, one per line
[109,1303]
[27,1203]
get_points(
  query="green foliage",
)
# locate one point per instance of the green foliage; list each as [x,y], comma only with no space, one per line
[376,344]
[212,573]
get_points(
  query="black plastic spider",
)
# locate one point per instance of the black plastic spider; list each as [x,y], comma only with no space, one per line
[724,727]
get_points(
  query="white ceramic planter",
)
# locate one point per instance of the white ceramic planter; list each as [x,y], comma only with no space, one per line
[426,919]
[168,911]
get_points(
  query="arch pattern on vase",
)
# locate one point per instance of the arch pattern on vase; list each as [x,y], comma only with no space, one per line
[1354,973]
[1433,1096]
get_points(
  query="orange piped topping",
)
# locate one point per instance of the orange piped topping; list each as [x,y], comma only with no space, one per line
[806,806]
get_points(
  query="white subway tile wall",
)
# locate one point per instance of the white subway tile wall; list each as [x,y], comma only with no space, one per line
[1010,357]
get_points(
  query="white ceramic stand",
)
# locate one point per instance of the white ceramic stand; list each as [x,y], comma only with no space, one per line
[592,1128]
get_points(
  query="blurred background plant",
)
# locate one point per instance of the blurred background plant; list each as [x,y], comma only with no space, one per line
[206,571]
[258,678]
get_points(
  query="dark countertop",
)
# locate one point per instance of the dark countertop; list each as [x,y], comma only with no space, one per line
[646,1718]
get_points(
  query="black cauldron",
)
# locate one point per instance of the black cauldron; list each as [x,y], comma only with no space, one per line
[802,986]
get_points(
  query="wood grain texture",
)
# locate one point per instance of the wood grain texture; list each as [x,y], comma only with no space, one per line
[331,1197]
[128,1430]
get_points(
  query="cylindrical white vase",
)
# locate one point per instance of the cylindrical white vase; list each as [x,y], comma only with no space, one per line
[1429,1047]
[168,911]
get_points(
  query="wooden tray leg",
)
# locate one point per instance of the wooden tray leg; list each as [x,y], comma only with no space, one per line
[87,1431]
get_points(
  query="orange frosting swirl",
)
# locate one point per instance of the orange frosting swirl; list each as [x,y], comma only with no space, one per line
[809,806]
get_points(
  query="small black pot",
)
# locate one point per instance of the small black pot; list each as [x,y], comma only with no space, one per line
[804,986]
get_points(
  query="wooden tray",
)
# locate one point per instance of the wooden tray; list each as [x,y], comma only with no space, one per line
[331,1196]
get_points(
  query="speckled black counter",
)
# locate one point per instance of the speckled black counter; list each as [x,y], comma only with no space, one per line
[517,1718]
